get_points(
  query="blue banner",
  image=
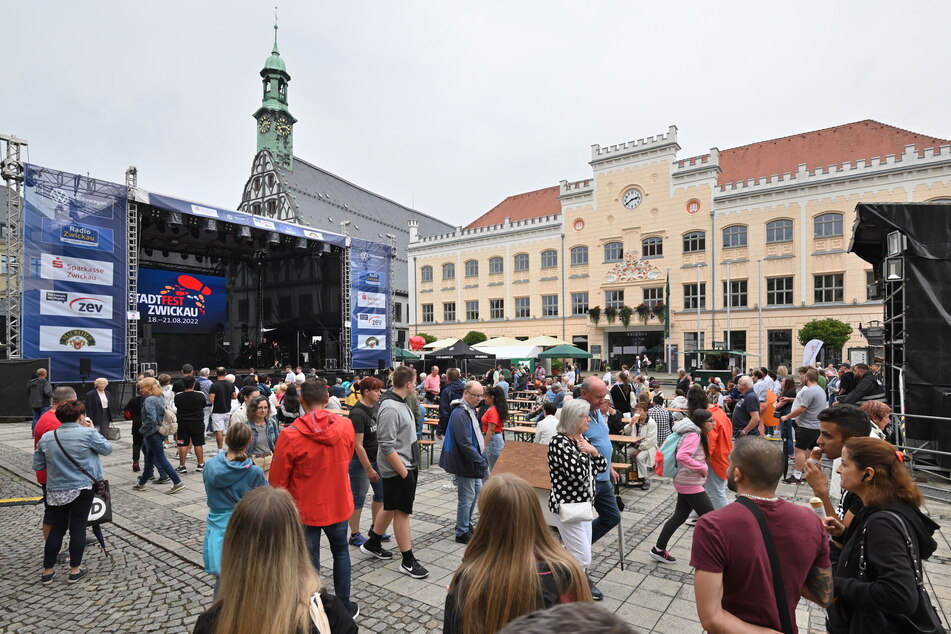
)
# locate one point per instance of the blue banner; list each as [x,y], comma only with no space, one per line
[75,268]
[181,302]
[370,303]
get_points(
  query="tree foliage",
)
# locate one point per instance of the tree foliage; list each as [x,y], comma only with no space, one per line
[473,337]
[832,332]
[428,338]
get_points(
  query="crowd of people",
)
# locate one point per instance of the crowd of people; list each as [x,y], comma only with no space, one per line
[292,466]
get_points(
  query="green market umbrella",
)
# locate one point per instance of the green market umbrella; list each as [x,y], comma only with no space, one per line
[404,355]
[565,351]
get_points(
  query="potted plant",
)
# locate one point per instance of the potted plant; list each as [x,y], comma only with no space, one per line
[643,312]
[611,314]
[660,311]
[624,313]
[595,314]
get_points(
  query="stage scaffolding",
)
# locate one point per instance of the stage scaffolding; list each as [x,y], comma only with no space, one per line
[11,169]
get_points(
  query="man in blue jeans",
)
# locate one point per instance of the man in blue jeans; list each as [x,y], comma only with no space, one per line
[463,455]
[594,390]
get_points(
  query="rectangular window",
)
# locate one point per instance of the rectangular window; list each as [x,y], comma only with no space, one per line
[521,262]
[496,309]
[549,259]
[654,296]
[779,291]
[736,293]
[579,303]
[449,311]
[495,266]
[734,236]
[828,288]
[472,310]
[523,307]
[579,256]
[735,340]
[549,305]
[426,274]
[695,242]
[614,252]
[695,297]
[779,231]
[613,299]
[472,268]
[427,313]
[449,271]
[397,311]
[652,248]
[690,343]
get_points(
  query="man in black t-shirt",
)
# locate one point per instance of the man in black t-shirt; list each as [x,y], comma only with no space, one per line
[191,423]
[746,410]
[221,394]
[187,370]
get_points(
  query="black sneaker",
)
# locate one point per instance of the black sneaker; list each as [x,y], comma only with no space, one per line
[74,577]
[596,594]
[200,468]
[44,579]
[662,556]
[464,538]
[415,571]
[181,469]
[353,609]
[163,480]
[375,550]
[793,480]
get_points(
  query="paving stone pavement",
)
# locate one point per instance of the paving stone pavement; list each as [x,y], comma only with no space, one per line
[154,582]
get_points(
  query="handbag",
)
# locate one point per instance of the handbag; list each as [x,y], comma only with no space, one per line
[318,615]
[114,432]
[169,426]
[101,510]
[925,619]
[779,590]
[574,512]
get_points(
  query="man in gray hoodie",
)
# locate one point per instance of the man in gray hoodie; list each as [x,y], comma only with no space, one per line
[396,457]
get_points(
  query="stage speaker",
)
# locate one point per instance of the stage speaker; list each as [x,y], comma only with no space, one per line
[380,364]
[85,367]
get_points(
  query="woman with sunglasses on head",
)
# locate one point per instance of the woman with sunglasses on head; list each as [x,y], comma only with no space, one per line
[264,432]
[878,578]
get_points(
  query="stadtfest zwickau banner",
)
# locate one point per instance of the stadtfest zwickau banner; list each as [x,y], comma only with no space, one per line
[75,271]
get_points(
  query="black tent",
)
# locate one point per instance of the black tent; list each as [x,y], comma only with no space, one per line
[462,355]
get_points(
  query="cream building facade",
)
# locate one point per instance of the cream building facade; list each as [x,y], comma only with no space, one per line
[754,240]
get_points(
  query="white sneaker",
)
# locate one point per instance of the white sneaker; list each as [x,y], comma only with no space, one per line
[449,486]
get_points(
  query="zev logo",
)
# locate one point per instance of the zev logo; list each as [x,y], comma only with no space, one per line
[61,304]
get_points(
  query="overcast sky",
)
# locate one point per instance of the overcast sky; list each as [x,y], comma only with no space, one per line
[452,106]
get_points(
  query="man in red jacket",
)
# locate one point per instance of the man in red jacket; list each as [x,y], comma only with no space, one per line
[312,461]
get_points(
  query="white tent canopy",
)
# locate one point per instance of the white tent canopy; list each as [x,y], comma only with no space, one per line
[544,341]
[499,341]
[441,343]
[511,352]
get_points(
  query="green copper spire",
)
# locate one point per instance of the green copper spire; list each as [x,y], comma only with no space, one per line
[275,122]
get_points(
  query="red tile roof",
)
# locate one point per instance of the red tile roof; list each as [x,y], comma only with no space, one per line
[536,204]
[819,149]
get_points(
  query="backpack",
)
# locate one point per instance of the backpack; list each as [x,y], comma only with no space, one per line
[665,460]
[169,426]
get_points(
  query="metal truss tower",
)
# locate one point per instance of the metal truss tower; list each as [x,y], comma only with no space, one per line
[132,325]
[11,169]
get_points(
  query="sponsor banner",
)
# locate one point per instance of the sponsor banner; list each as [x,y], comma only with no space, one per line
[75,300]
[370,304]
[370,342]
[77,234]
[181,302]
[371,321]
[78,270]
[73,338]
[264,223]
[63,304]
[371,300]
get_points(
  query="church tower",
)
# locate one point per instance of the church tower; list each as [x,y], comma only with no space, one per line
[275,123]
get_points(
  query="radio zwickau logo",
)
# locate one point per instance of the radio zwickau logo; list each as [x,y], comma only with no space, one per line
[66,339]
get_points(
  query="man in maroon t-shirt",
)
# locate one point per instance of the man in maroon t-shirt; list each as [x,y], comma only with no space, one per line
[49,422]
[733,580]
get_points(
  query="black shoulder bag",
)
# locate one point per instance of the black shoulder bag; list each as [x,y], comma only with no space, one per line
[101,510]
[925,620]
[779,590]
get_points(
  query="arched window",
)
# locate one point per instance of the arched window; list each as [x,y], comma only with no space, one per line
[695,242]
[426,274]
[472,268]
[652,247]
[828,225]
[779,231]
[579,255]
[521,262]
[613,251]
[449,271]
[549,259]
[495,265]
[734,236]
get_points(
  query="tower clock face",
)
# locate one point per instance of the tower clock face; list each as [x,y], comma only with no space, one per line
[264,124]
[283,126]
[631,198]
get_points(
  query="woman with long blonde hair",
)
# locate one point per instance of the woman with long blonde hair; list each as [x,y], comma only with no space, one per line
[512,565]
[268,585]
